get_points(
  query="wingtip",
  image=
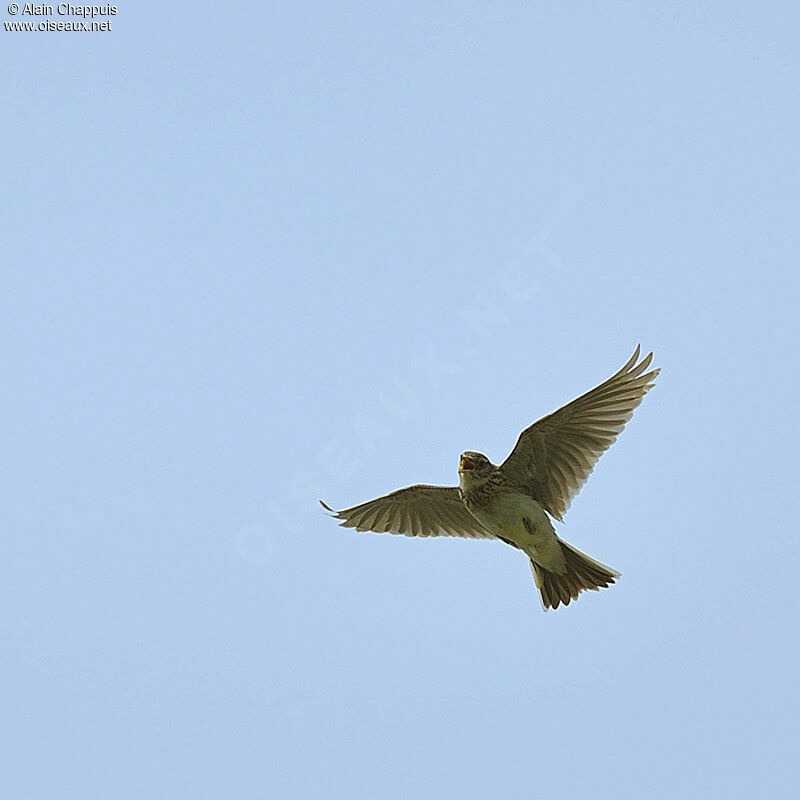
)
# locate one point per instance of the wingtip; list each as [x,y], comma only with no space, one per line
[634,364]
[326,506]
[637,352]
[628,365]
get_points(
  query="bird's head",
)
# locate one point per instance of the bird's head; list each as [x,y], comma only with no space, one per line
[473,468]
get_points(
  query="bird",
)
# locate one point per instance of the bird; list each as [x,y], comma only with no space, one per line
[516,501]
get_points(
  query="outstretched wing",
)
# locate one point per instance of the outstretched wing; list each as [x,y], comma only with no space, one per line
[414,511]
[553,457]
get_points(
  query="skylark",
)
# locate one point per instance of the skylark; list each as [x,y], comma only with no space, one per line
[547,467]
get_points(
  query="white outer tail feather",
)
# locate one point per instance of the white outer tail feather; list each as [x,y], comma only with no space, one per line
[582,573]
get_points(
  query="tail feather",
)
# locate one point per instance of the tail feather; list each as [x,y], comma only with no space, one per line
[582,573]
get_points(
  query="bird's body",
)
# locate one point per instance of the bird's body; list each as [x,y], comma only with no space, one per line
[514,502]
[512,516]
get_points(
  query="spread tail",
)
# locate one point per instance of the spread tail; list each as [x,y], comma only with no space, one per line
[581,573]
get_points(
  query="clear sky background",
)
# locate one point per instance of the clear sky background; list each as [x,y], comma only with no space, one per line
[257,255]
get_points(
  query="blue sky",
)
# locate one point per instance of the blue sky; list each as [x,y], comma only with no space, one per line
[260,255]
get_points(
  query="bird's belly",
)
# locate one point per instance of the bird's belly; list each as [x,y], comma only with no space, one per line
[506,517]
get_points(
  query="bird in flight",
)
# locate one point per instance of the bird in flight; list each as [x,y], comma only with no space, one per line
[514,502]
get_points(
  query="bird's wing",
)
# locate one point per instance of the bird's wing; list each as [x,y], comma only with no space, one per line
[554,456]
[414,511]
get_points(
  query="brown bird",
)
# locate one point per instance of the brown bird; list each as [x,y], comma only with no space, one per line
[547,467]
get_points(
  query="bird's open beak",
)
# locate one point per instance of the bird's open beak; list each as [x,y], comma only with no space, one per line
[465,465]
